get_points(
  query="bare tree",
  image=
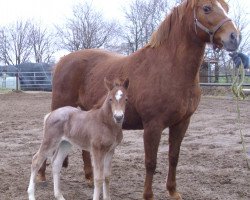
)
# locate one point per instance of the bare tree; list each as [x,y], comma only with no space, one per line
[143,16]
[42,43]
[15,48]
[5,47]
[86,29]
[242,22]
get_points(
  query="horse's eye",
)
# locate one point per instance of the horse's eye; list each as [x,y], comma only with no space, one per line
[110,99]
[207,9]
[126,99]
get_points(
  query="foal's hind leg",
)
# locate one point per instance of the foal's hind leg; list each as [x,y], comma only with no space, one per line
[37,161]
[57,163]
[176,135]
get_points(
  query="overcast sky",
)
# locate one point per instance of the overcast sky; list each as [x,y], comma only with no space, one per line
[51,12]
[55,11]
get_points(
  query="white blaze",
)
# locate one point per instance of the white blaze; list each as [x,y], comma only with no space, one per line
[118,95]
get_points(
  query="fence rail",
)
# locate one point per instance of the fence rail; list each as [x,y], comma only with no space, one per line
[26,81]
[43,80]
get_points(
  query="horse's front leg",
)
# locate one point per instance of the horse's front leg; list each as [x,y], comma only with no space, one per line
[176,135]
[152,136]
[87,168]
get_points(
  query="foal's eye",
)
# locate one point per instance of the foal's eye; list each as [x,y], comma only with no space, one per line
[207,9]
[110,99]
[126,99]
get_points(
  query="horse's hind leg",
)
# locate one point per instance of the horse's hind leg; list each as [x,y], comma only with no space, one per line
[176,135]
[37,161]
[87,167]
[57,163]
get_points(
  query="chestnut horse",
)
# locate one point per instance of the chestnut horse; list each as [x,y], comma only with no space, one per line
[98,131]
[164,79]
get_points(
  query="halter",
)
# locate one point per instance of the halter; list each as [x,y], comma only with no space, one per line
[210,32]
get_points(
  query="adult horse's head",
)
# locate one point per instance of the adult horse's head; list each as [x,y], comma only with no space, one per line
[212,24]
[117,98]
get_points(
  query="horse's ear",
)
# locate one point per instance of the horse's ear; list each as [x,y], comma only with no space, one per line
[126,83]
[109,85]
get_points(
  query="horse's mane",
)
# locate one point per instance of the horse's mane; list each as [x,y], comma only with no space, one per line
[172,22]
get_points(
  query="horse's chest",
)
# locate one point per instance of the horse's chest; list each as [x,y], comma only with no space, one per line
[170,107]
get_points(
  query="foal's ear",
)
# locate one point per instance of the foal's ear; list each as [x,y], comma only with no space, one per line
[109,85]
[126,83]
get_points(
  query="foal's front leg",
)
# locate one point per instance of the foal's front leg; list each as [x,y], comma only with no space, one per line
[98,164]
[107,174]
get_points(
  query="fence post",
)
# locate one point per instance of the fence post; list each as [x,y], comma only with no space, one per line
[17,80]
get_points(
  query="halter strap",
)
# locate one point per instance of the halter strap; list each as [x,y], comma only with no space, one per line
[210,32]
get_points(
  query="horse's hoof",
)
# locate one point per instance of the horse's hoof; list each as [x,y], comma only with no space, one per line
[40,178]
[90,183]
[147,197]
[175,196]
[66,162]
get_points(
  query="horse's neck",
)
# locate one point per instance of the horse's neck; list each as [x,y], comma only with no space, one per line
[181,51]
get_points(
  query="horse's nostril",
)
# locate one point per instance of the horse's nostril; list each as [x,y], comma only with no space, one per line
[233,36]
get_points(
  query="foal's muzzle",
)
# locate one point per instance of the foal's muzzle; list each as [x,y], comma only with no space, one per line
[118,117]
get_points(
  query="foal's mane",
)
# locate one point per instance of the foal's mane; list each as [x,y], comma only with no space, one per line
[116,83]
[173,21]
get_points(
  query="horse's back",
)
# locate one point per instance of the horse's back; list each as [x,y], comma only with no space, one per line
[74,70]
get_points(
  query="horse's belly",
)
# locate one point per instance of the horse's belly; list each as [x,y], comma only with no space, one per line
[132,119]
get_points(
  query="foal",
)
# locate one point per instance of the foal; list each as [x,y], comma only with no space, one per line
[98,131]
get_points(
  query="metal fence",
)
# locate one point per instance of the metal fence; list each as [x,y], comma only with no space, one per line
[221,80]
[41,81]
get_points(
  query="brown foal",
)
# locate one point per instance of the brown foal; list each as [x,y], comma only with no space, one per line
[98,131]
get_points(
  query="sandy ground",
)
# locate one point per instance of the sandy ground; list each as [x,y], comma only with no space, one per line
[211,166]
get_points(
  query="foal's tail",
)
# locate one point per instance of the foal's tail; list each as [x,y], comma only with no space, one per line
[46,117]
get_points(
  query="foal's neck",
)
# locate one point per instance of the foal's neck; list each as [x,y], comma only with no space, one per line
[105,114]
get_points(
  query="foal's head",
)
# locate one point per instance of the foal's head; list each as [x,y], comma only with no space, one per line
[117,98]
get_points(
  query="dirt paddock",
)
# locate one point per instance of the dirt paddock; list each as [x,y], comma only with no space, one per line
[211,165]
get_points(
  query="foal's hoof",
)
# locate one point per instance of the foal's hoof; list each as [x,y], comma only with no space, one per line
[175,196]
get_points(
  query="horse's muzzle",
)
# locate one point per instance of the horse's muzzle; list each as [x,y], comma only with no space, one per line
[233,42]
